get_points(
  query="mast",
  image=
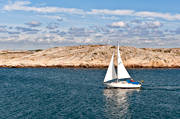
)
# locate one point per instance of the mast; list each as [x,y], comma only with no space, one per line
[118,62]
[111,73]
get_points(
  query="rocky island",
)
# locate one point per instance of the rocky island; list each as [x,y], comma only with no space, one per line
[91,56]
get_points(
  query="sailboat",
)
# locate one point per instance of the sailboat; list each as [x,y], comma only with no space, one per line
[121,79]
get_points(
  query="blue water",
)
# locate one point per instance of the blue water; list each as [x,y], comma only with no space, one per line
[55,93]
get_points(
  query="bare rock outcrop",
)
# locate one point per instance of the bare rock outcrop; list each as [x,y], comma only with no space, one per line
[92,56]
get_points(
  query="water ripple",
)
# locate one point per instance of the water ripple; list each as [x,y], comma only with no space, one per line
[80,94]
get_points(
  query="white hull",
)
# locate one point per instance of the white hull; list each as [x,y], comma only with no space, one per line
[122,84]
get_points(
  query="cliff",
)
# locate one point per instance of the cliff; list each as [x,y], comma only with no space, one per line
[92,56]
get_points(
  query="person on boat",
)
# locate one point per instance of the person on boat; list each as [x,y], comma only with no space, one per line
[132,80]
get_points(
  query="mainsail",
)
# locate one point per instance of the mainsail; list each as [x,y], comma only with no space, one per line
[111,73]
[121,70]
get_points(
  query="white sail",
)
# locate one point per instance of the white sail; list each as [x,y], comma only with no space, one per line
[111,73]
[121,70]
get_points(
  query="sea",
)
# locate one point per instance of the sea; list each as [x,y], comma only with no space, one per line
[79,93]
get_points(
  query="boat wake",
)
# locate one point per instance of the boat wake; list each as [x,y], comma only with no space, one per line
[167,88]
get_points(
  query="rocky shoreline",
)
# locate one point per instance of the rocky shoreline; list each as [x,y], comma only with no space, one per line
[91,56]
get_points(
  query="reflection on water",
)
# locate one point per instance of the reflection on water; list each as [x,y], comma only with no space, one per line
[116,102]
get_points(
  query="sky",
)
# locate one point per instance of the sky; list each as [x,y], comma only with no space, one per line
[40,24]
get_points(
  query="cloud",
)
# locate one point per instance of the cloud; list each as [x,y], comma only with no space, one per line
[118,24]
[57,32]
[167,16]
[103,30]
[54,32]
[13,32]
[62,33]
[23,5]
[145,25]
[177,31]
[52,26]
[111,12]
[27,30]
[79,32]
[49,38]
[78,35]
[58,18]
[156,23]
[109,17]
[136,21]
[33,24]
[3,30]
[3,26]
[150,24]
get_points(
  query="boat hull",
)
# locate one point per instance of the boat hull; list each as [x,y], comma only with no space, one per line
[122,85]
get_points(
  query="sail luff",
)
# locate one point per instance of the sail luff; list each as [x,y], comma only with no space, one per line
[121,70]
[111,73]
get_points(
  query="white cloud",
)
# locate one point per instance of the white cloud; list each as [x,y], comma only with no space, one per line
[148,24]
[2,30]
[111,12]
[22,5]
[55,17]
[109,18]
[118,24]
[33,23]
[156,23]
[167,16]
